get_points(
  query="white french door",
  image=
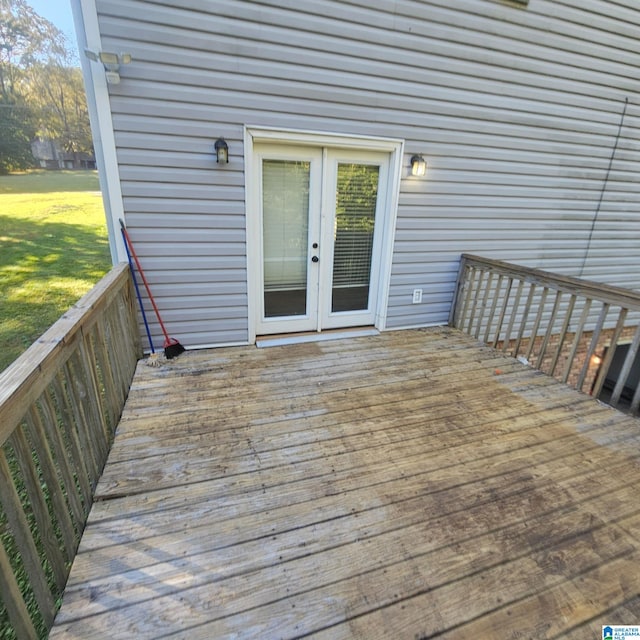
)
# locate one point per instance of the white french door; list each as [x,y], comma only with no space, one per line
[320,217]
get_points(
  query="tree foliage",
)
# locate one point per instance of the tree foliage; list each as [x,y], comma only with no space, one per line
[15,137]
[25,38]
[41,90]
[59,107]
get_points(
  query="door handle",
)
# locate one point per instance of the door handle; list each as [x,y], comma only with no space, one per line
[315,259]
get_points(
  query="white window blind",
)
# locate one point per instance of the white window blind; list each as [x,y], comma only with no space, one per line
[285,202]
[356,197]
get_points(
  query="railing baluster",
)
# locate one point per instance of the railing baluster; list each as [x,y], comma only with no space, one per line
[593,345]
[476,295]
[512,318]
[503,310]
[549,332]
[493,308]
[125,313]
[536,325]
[608,359]
[111,391]
[576,340]
[563,334]
[483,306]
[525,317]
[118,355]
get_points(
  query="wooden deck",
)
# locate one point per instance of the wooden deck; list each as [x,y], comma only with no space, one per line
[409,485]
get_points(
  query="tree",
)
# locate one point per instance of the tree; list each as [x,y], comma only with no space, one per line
[41,90]
[15,137]
[57,100]
[25,38]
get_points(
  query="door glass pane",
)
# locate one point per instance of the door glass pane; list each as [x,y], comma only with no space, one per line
[357,193]
[285,210]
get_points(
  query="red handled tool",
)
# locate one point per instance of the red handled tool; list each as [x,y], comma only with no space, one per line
[172,347]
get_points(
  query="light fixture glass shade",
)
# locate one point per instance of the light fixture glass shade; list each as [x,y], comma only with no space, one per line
[222,151]
[108,58]
[418,166]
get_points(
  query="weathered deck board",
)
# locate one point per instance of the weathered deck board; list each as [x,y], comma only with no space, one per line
[407,485]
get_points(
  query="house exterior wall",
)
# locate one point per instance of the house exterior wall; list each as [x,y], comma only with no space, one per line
[48,154]
[517,109]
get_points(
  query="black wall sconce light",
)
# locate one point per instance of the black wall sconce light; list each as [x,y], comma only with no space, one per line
[418,166]
[222,151]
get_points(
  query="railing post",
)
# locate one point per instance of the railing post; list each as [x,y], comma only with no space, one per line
[457,294]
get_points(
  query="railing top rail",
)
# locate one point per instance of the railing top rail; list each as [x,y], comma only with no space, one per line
[25,380]
[586,288]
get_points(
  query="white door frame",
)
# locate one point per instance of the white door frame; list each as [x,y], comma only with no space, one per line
[331,159]
[394,147]
[308,321]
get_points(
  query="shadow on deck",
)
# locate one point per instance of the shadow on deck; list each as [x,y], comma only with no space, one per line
[410,485]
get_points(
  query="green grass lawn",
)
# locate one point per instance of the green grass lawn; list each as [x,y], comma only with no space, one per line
[53,249]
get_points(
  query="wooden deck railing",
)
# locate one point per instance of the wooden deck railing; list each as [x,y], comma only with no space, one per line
[59,405]
[566,327]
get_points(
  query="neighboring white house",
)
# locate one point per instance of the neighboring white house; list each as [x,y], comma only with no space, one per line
[527,115]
